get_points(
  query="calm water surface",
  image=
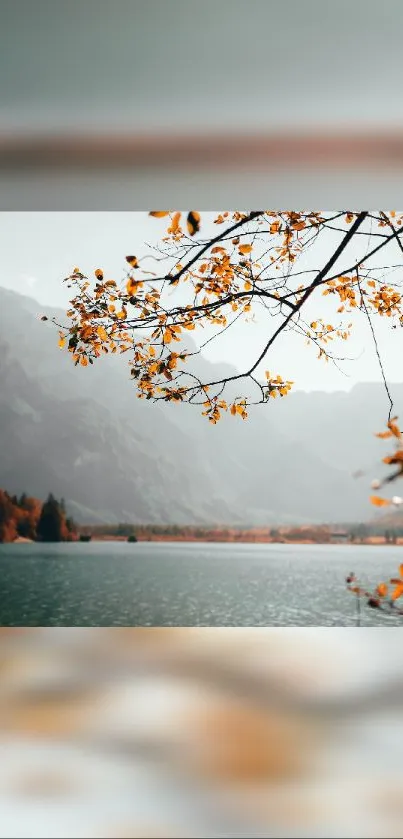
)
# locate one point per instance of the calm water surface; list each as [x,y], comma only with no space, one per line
[188,584]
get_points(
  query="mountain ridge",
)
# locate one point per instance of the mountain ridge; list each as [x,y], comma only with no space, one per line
[84,434]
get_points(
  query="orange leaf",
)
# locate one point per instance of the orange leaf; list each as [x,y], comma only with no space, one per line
[397,457]
[174,227]
[62,342]
[245,248]
[159,213]
[85,333]
[99,274]
[132,260]
[383,435]
[193,222]
[132,286]
[397,592]
[379,502]
[394,428]
[401,570]
[382,589]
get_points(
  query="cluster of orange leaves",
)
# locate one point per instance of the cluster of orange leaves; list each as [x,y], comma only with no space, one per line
[395,459]
[276,386]
[383,299]
[102,319]
[385,594]
[223,277]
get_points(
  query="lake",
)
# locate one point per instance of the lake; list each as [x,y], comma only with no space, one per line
[188,584]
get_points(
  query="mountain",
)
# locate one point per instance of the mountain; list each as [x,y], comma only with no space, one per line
[83,435]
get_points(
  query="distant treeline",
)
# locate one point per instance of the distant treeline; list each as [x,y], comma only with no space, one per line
[387,530]
[320,534]
[41,521]
[145,530]
[47,521]
[209,533]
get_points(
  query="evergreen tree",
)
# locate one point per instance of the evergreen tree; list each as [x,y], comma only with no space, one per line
[26,528]
[71,525]
[51,521]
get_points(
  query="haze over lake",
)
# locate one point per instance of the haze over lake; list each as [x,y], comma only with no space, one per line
[188,584]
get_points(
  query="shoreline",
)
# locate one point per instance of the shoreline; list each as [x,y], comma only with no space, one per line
[247,539]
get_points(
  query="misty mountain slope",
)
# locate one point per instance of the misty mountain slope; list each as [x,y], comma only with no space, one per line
[274,468]
[80,451]
[83,434]
[342,424]
[148,449]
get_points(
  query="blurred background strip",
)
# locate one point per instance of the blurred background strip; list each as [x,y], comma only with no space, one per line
[298,149]
[141,103]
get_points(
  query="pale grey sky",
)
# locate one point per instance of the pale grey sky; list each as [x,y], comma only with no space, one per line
[39,249]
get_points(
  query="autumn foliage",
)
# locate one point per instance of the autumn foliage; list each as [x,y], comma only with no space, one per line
[33,519]
[251,262]
[385,595]
[394,459]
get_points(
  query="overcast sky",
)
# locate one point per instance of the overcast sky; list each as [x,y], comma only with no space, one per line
[39,249]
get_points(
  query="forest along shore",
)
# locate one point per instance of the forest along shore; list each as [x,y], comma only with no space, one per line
[360,534]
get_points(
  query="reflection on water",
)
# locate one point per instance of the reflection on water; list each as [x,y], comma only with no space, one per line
[156,584]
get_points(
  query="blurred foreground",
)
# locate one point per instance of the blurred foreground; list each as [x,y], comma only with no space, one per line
[200,732]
